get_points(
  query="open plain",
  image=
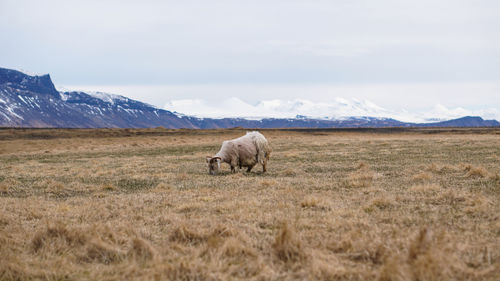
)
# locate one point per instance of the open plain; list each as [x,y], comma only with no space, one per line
[123,204]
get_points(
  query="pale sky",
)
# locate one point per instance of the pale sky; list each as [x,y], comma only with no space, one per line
[397,54]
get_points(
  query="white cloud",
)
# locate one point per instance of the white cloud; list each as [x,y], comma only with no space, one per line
[337,48]
[154,42]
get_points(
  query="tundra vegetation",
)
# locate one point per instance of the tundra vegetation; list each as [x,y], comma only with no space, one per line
[114,204]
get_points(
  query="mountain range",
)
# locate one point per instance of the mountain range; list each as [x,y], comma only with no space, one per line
[33,101]
[334,108]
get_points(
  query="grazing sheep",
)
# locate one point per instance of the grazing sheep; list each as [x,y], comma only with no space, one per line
[245,151]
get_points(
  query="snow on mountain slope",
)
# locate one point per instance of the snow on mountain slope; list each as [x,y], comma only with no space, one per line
[235,107]
[337,109]
[111,98]
[28,72]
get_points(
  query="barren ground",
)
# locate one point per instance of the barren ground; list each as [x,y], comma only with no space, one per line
[334,205]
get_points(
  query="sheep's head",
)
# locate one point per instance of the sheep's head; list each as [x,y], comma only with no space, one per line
[213,164]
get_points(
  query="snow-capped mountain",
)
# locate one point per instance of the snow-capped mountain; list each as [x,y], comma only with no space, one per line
[335,109]
[33,101]
[236,108]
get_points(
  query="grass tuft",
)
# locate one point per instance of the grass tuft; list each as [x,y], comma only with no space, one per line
[422,177]
[426,188]
[288,246]
[289,172]
[314,202]
[184,234]
[141,250]
[109,187]
[56,238]
[102,252]
[379,203]
[428,258]
[363,177]
[477,172]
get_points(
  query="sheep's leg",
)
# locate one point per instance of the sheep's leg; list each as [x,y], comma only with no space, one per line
[249,169]
[264,167]
[233,163]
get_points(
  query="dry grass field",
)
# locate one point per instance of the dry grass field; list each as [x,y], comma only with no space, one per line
[334,205]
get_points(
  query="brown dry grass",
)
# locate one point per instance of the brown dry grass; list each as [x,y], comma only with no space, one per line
[363,176]
[334,205]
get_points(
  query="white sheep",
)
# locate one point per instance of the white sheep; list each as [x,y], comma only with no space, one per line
[245,151]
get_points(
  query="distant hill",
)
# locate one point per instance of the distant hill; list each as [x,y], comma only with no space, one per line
[467,121]
[33,101]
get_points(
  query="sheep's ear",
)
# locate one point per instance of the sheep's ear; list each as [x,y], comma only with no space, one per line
[209,158]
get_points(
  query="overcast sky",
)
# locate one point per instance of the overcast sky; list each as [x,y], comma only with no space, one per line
[398,54]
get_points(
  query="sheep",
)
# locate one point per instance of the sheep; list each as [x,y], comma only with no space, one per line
[245,151]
